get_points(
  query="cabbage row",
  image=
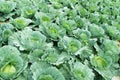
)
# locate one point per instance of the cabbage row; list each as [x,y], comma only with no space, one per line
[59,39]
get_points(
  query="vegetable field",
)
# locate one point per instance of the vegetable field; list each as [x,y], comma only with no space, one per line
[59,39]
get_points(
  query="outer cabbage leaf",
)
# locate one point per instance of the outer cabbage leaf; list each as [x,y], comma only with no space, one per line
[43,7]
[35,55]
[111,49]
[116,24]
[84,52]
[6,17]
[56,5]
[11,64]
[112,31]
[114,57]
[23,3]
[44,71]
[109,73]
[110,45]
[66,71]
[27,40]
[25,75]
[96,31]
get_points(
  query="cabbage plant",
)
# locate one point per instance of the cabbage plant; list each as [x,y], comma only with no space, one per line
[11,63]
